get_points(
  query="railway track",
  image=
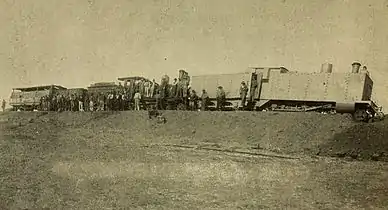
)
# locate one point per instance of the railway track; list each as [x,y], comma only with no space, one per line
[229,151]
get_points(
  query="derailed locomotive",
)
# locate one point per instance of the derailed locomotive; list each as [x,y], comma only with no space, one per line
[278,89]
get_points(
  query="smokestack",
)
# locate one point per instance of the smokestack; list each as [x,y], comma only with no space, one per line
[327,68]
[356,67]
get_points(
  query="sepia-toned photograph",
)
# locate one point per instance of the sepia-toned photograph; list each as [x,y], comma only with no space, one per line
[193,104]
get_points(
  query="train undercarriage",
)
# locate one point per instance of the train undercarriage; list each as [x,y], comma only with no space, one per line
[361,111]
[24,107]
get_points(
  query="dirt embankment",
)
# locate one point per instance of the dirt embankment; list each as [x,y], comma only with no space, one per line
[360,141]
[286,133]
[104,160]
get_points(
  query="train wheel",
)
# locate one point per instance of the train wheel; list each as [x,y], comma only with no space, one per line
[169,106]
[360,115]
[181,107]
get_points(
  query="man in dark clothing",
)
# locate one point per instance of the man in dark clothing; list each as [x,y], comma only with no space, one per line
[48,103]
[3,103]
[204,100]
[59,103]
[114,101]
[67,102]
[54,104]
[254,86]
[243,93]
[121,87]
[158,100]
[124,98]
[86,102]
[63,100]
[174,88]
[72,103]
[193,98]
[41,104]
[119,102]
[185,89]
[156,87]
[163,93]
[220,98]
[179,88]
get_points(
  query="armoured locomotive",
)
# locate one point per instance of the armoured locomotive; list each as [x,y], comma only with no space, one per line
[278,89]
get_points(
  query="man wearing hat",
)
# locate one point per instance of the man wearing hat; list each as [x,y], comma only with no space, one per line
[204,100]
[243,93]
[356,67]
[220,98]
[364,70]
[174,88]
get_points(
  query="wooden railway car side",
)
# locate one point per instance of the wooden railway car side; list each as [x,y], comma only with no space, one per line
[29,98]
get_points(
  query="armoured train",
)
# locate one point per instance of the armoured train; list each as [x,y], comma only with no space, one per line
[278,89]
[270,89]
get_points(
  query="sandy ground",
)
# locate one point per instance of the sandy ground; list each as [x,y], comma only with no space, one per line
[84,161]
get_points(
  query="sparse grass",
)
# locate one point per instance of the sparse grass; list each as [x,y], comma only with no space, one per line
[102,165]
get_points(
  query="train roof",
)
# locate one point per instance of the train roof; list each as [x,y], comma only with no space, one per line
[76,88]
[132,78]
[102,86]
[42,87]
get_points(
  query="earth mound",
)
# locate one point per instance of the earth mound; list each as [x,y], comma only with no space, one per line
[365,141]
[284,133]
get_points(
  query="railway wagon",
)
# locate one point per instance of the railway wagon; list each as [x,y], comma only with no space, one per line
[229,82]
[102,88]
[29,98]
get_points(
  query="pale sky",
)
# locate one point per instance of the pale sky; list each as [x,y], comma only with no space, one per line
[76,42]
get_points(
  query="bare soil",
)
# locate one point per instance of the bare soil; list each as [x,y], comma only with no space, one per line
[126,161]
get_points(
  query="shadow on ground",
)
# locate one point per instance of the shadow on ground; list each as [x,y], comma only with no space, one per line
[361,141]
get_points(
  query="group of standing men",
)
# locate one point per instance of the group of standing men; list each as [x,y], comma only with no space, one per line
[221,96]
[70,102]
[116,99]
[191,99]
[131,95]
